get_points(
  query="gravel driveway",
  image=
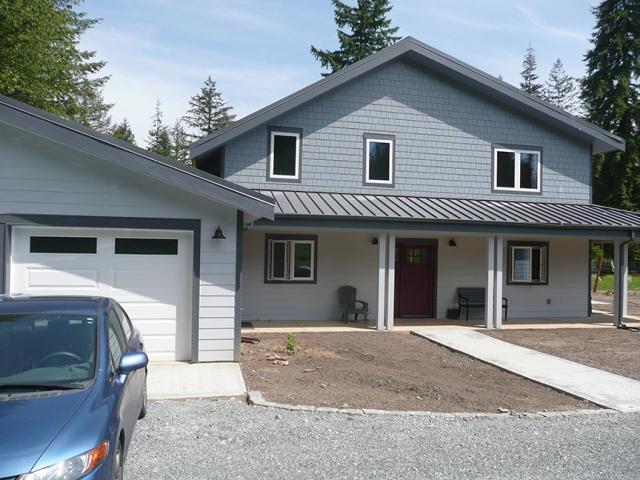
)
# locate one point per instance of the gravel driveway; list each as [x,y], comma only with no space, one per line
[200,439]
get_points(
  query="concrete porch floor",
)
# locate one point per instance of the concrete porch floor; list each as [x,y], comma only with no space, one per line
[597,320]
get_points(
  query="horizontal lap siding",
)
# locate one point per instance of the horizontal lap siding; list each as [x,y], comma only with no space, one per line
[444,136]
[343,259]
[40,177]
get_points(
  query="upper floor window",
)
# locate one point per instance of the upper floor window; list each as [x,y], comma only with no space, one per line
[284,154]
[378,160]
[516,170]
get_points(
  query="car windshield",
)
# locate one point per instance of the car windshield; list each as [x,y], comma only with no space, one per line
[47,349]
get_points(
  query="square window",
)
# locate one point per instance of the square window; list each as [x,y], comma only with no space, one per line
[379,161]
[290,258]
[517,170]
[284,155]
[528,263]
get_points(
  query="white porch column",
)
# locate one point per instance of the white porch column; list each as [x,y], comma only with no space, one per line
[497,289]
[488,308]
[620,281]
[382,280]
[391,280]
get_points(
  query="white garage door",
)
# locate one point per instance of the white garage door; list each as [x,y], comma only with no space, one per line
[148,271]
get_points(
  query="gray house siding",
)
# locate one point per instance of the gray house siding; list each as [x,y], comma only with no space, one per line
[39,177]
[444,136]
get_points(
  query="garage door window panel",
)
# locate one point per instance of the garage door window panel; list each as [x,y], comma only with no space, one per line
[58,244]
[146,246]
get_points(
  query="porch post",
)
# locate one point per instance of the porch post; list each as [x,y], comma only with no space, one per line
[391,280]
[497,289]
[382,273]
[488,304]
[620,276]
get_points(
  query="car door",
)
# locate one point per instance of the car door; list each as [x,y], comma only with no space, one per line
[134,344]
[128,401]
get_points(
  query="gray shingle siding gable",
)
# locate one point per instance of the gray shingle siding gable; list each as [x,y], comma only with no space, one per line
[444,137]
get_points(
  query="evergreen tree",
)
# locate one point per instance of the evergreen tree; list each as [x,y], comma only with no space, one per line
[179,139]
[122,131]
[362,30]
[529,81]
[42,65]
[561,89]
[158,139]
[208,111]
[611,94]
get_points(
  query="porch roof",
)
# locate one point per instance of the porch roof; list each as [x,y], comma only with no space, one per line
[341,206]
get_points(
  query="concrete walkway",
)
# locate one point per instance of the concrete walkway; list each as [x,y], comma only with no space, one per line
[600,387]
[174,380]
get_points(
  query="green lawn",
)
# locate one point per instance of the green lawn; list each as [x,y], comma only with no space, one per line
[606,282]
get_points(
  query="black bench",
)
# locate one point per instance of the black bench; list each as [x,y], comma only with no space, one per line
[471,297]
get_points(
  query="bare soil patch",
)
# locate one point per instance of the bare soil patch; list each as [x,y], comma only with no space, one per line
[391,371]
[610,349]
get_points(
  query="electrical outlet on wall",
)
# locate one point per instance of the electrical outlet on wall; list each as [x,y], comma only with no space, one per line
[548,301]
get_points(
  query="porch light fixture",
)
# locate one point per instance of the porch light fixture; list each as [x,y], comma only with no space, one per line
[374,241]
[452,243]
[218,235]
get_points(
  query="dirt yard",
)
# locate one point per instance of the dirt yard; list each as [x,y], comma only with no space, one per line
[610,349]
[396,371]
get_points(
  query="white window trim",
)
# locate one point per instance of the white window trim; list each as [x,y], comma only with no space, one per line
[289,258]
[543,262]
[516,187]
[275,133]
[391,160]
[292,261]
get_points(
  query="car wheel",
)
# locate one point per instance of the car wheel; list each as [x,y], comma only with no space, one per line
[118,463]
[143,410]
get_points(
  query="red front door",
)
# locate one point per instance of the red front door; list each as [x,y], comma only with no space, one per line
[415,279]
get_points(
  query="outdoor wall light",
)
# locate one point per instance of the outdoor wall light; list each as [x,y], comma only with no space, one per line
[374,241]
[452,243]
[218,235]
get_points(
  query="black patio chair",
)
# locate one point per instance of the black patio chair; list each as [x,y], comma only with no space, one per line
[347,300]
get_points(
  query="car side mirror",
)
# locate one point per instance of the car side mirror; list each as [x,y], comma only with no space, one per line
[132,361]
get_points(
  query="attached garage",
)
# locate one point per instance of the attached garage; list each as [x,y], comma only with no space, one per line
[85,214]
[149,272]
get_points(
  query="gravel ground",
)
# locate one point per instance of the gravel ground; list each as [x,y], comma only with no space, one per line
[204,439]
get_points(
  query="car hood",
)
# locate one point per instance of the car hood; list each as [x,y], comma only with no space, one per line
[29,424]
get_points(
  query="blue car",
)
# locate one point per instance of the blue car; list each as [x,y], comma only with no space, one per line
[72,386]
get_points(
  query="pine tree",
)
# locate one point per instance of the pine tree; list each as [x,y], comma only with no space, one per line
[158,139]
[41,62]
[208,111]
[123,131]
[179,139]
[362,30]
[529,81]
[611,93]
[561,89]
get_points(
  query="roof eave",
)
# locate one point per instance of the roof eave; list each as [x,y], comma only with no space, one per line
[601,140]
[130,157]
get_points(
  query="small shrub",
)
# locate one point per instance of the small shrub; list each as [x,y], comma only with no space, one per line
[290,344]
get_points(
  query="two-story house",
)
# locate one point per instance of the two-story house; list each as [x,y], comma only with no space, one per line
[408,175]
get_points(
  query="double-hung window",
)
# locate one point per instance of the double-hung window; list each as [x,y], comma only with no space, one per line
[516,170]
[284,154]
[290,258]
[528,263]
[378,160]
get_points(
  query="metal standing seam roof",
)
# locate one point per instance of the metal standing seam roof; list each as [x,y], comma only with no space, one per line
[300,204]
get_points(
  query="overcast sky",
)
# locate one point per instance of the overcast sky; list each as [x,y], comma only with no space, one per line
[258,50]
